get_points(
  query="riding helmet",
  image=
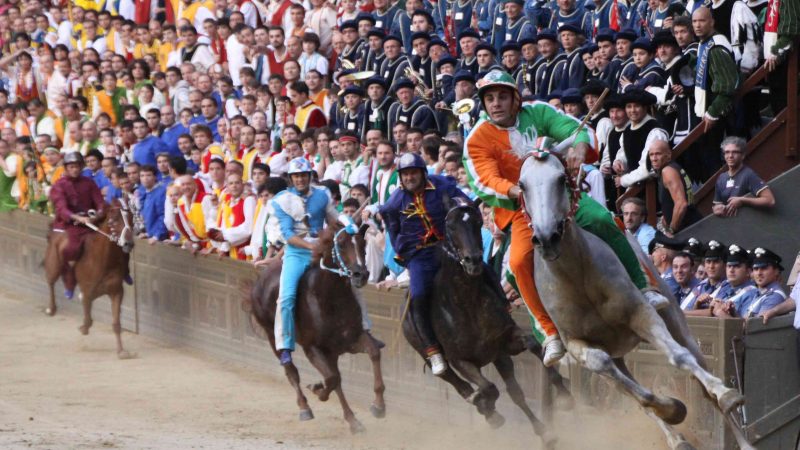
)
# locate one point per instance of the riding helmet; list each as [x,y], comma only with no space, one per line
[496,78]
[73,158]
[299,165]
[411,161]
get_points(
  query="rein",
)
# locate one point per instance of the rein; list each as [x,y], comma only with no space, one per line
[118,240]
[336,253]
[447,245]
[572,185]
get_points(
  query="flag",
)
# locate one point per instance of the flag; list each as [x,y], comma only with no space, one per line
[613,21]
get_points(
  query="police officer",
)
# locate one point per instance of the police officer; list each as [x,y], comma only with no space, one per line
[414,216]
[714,265]
[766,274]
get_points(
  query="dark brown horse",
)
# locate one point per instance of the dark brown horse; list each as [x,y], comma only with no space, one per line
[101,268]
[327,318]
[469,315]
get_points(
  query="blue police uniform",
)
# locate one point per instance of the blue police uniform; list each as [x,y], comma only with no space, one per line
[416,223]
[681,293]
[703,287]
[757,301]
[304,216]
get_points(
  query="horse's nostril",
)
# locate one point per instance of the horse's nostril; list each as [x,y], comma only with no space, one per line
[535,240]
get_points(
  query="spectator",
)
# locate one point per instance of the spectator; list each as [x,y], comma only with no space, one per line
[683,271]
[634,214]
[643,131]
[674,191]
[152,197]
[147,146]
[716,81]
[732,186]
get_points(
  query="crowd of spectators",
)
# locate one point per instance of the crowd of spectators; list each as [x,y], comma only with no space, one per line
[193,109]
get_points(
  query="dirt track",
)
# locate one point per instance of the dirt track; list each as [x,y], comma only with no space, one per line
[59,389]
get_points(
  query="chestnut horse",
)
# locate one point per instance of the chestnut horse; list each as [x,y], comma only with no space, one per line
[327,318]
[101,268]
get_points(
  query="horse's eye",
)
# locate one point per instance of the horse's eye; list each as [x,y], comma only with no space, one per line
[562,179]
[521,186]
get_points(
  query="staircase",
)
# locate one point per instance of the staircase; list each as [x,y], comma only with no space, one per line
[773,151]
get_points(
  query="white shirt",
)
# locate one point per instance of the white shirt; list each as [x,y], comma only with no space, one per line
[235,51]
[641,173]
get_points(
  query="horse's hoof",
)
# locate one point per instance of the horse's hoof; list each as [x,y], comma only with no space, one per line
[683,445]
[319,390]
[83,329]
[50,311]
[124,354]
[377,412]
[675,414]
[564,402]
[306,414]
[356,427]
[730,400]
[495,420]
[549,440]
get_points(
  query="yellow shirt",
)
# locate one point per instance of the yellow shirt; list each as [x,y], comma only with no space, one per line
[141,50]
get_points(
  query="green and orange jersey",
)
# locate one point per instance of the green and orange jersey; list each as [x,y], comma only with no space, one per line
[493,155]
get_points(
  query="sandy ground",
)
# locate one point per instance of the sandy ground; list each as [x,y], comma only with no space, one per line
[59,389]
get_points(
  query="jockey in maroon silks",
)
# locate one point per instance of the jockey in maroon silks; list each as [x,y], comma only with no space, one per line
[77,201]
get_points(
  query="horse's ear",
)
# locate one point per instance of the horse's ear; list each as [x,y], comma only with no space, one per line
[447,201]
[477,202]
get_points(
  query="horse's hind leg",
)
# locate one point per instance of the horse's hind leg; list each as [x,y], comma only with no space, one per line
[597,360]
[649,326]
[486,395]
[52,270]
[505,367]
[378,407]
[564,398]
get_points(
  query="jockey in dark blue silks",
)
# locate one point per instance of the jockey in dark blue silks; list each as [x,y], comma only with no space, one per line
[415,220]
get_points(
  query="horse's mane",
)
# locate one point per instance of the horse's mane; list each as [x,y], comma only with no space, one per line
[324,245]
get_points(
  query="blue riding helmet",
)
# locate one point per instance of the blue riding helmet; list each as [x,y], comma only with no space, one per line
[411,161]
[299,165]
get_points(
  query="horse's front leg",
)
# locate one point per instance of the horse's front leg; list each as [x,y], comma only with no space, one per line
[505,367]
[671,410]
[116,323]
[648,325]
[486,395]
[330,376]
[368,345]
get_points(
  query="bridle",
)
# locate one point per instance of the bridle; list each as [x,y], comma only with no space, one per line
[118,239]
[571,184]
[447,246]
[341,268]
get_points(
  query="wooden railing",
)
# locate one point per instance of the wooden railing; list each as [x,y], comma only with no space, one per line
[785,120]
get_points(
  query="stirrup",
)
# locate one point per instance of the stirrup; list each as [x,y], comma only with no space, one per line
[438,364]
[655,299]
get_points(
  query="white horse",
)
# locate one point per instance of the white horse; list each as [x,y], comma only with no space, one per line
[598,311]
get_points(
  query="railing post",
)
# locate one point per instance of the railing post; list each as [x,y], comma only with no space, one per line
[792,104]
[650,189]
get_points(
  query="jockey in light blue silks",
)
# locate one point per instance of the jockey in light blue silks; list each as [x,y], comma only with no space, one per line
[302,211]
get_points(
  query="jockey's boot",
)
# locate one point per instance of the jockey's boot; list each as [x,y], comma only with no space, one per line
[655,299]
[69,293]
[553,350]
[286,357]
[128,280]
[438,364]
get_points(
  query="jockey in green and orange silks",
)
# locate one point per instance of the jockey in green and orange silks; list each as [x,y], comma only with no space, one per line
[493,156]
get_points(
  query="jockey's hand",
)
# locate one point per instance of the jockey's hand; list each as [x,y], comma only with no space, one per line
[514,192]
[577,155]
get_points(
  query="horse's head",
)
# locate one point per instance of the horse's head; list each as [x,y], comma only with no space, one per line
[119,221]
[463,240]
[343,252]
[547,192]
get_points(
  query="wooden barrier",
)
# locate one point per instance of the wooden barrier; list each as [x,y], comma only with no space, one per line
[196,302]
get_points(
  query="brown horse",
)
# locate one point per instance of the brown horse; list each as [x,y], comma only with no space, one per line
[327,316]
[101,268]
